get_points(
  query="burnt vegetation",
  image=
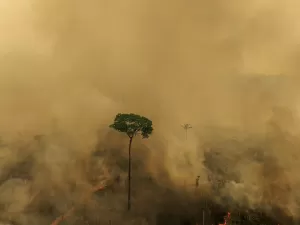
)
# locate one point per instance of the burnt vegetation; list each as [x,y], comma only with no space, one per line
[154,200]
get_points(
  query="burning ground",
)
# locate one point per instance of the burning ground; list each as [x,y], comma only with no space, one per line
[67,67]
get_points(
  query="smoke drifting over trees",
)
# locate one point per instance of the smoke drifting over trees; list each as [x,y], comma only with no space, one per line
[68,67]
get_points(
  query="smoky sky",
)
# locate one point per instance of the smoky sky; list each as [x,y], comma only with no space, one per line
[72,65]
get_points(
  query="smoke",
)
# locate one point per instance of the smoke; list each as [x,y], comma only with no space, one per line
[230,69]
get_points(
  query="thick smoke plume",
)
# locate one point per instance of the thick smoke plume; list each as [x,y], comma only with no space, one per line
[228,68]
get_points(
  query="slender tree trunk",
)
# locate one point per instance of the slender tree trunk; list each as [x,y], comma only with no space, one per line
[185,134]
[129,175]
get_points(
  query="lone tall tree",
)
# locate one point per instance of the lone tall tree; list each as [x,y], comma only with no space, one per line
[132,125]
[186,127]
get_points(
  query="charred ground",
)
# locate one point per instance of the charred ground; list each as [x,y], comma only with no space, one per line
[156,199]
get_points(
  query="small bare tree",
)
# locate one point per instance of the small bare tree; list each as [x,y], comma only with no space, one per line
[186,126]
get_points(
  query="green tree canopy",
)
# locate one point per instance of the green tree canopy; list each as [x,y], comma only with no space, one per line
[132,124]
